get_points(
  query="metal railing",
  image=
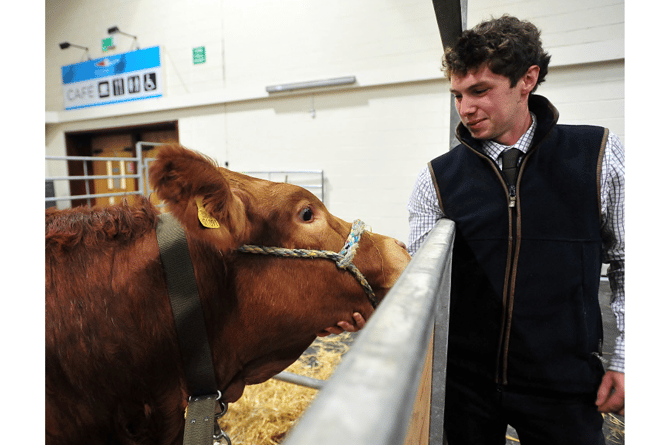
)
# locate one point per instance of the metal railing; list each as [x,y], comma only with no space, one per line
[312,180]
[86,177]
[369,400]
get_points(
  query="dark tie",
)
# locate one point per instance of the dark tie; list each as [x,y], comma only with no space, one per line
[510,164]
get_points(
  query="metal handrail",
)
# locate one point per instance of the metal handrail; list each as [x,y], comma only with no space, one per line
[91,158]
[97,195]
[369,398]
[88,177]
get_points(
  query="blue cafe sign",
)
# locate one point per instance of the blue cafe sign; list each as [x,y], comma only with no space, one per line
[135,75]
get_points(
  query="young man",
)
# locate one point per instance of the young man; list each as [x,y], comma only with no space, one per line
[533,226]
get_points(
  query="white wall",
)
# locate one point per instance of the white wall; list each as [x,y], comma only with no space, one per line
[372,138]
[252,43]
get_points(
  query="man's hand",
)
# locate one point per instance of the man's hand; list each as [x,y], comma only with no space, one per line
[611,394]
[345,326]
[358,319]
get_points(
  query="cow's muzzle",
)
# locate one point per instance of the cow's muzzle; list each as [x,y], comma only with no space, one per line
[343,259]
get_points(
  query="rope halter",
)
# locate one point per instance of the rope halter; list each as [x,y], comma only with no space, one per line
[343,259]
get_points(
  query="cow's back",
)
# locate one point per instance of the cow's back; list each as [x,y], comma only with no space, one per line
[109,342]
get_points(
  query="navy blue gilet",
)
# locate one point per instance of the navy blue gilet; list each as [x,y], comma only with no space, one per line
[524,297]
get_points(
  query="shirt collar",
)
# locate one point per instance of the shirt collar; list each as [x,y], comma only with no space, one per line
[495,149]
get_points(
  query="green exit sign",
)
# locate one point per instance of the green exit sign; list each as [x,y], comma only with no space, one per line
[108,44]
[199,55]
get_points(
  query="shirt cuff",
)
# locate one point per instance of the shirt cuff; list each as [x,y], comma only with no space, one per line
[618,360]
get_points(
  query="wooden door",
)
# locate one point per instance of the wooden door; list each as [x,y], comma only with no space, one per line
[114,146]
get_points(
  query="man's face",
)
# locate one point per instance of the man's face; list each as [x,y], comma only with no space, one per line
[489,107]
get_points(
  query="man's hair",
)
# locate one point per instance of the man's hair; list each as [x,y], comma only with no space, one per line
[507,45]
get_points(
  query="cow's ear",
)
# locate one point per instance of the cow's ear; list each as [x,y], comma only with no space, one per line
[199,196]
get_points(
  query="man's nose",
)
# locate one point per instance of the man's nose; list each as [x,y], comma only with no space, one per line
[467,106]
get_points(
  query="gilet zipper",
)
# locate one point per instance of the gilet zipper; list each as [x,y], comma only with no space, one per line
[510,284]
[510,274]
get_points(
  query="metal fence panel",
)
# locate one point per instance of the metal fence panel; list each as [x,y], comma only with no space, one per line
[369,399]
[313,180]
[51,198]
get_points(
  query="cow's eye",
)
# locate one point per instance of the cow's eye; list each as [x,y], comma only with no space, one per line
[306,214]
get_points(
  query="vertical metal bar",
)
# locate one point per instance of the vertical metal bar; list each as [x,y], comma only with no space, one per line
[451,19]
[88,192]
[146,163]
[323,186]
[140,168]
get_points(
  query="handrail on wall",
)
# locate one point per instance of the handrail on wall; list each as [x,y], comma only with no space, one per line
[369,399]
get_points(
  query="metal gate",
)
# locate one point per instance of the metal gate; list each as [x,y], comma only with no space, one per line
[136,172]
[136,168]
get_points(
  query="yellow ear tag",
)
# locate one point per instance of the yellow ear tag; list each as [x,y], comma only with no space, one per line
[205,218]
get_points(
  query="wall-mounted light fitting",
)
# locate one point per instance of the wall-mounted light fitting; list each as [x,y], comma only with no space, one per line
[312,84]
[115,30]
[65,45]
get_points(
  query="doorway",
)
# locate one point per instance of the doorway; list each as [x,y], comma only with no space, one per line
[112,145]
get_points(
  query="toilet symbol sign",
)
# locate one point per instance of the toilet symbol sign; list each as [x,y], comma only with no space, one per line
[124,77]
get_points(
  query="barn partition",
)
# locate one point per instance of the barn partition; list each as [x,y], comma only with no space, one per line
[389,388]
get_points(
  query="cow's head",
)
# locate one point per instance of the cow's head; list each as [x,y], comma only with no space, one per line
[283,303]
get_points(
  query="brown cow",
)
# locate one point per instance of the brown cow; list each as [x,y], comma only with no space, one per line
[114,372]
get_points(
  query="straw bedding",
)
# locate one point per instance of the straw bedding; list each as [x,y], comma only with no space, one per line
[266,412]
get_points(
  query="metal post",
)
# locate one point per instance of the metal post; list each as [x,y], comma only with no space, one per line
[452,20]
[322,187]
[88,191]
[140,167]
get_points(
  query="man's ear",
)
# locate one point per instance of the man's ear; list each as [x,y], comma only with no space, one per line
[529,80]
[199,196]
